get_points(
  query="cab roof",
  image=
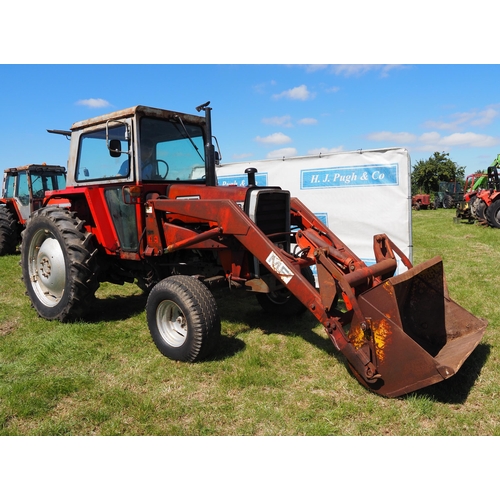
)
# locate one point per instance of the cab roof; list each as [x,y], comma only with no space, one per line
[137,110]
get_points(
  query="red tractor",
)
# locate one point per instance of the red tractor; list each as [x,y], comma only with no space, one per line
[484,209]
[466,207]
[23,191]
[491,198]
[142,204]
[422,202]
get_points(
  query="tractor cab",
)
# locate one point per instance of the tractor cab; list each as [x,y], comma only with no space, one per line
[120,160]
[23,192]
[142,145]
[24,187]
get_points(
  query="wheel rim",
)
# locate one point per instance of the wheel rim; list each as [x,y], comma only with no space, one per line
[47,268]
[172,323]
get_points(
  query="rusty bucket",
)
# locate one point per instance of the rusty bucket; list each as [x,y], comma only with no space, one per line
[418,335]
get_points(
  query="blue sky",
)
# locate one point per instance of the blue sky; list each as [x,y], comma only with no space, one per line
[268,110]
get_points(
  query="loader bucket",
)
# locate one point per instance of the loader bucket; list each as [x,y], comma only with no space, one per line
[419,336]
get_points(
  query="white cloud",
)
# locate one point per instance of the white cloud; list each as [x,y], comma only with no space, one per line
[311,68]
[469,139]
[276,138]
[429,137]
[93,103]
[307,121]
[433,141]
[299,93]
[280,121]
[361,69]
[471,118]
[280,153]
[484,117]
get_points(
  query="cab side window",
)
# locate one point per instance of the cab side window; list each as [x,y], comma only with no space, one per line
[22,189]
[95,161]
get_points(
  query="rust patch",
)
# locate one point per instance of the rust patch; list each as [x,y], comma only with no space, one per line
[381,334]
[381,337]
[357,337]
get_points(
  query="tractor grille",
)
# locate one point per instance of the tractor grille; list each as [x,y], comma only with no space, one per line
[270,210]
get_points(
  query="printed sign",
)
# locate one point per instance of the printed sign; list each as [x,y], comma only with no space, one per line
[358,194]
[357,176]
[241,180]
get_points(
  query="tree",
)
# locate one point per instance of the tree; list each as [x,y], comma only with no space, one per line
[427,175]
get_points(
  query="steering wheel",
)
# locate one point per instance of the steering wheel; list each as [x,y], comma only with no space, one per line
[167,169]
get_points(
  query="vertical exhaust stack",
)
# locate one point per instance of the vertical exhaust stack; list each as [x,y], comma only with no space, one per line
[209,146]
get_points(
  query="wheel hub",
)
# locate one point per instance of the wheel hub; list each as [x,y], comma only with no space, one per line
[48,270]
[45,267]
[172,323]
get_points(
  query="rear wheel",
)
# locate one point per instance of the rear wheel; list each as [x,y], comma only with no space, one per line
[58,264]
[447,201]
[9,234]
[183,318]
[282,301]
[493,214]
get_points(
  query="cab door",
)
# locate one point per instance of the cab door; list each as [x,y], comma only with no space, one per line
[105,159]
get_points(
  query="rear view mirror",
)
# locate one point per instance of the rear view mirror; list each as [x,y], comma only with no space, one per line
[115,148]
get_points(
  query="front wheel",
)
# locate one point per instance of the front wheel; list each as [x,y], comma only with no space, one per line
[282,301]
[58,264]
[183,318]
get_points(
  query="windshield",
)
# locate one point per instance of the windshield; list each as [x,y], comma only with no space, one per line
[171,151]
[47,181]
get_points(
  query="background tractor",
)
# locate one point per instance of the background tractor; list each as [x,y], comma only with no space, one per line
[491,198]
[449,194]
[466,209]
[485,192]
[23,191]
[422,202]
[142,204]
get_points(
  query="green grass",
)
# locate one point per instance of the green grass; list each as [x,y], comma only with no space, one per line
[268,377]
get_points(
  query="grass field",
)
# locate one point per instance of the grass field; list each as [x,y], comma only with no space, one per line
[268,377]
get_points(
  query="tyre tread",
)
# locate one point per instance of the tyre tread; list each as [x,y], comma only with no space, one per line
[81,254]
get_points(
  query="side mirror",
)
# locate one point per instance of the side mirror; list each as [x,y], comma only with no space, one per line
[115,148]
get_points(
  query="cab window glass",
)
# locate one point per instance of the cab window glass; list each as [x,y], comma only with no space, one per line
[22,188]
[178,152]
[95,161]
[9,186]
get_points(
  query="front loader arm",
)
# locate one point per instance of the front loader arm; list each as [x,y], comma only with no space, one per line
[338,268]
[398,333]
